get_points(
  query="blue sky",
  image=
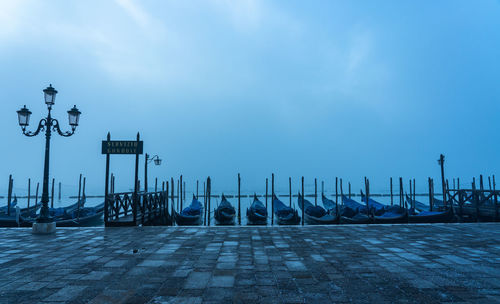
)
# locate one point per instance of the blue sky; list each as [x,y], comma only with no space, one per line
[316,88]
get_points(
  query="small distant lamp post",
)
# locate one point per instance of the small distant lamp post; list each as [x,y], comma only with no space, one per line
[157,161]
[48,125]
[441,163]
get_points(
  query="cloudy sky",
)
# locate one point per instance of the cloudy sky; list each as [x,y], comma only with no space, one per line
[298,88]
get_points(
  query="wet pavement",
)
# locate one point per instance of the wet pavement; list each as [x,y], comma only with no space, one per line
[361,264]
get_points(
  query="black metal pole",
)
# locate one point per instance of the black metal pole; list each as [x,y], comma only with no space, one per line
[106,187]
[44,211]
[441,163]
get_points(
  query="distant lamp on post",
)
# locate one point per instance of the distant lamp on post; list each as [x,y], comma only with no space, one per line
[157,160]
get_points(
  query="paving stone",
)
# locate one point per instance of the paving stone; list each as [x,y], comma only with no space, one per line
[197,280]
[222,281]
[361,264]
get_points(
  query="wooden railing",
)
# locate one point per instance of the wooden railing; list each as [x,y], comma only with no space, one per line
[475,203]
[132,209]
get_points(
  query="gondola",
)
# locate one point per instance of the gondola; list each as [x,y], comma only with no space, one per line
[192,215]
[63,211]
[257,213]
[284,214]
[425,216]
[225,213]
[329,205]
[28,217]
[315,215]
[383,214]
[415,206]
[374,207]
[392,215]
[5,209]
[25,212]
[12,220]
[351,212]
[31,211]
[89,216]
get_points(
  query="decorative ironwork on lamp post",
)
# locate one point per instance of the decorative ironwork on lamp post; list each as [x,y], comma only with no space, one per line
[157,161]
[48,125]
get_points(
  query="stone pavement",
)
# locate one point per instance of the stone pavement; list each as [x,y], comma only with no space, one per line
[361,264]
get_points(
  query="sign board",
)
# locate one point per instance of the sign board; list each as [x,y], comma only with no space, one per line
[122,147]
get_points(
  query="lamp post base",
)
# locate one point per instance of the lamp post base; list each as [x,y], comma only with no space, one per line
[44,228]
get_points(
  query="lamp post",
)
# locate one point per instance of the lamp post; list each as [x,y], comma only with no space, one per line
[48,125]
[157,161]
[441,163]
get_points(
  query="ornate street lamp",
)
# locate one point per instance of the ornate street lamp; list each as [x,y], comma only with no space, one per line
[48,125]
[157,161]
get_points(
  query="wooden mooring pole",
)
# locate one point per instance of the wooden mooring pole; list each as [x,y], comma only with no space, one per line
[272,199]
[9,194]
[341,197]
[315,192]
[181,194]
[239,199]
[266,193]
[172,201]
[36,195]
[197,184]
[52,194]
[165,193]
[79,190]
[495,200]
[401,192]
[349,189]
[430,193]
[59,194]
[209,192]
[79,195]
[290,191]
[392,200]
[303,197]
[336,190]
[205,204]
[29,192]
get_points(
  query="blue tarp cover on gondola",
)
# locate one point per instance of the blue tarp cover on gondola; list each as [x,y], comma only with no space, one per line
[259,207]
[193,209]
[425,213]
[328,203]
[315,211]
[351,203]
[373,204]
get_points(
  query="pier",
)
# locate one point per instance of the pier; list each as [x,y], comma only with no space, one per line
[325,264]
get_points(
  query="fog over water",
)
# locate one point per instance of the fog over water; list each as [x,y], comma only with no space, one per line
[218,88]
